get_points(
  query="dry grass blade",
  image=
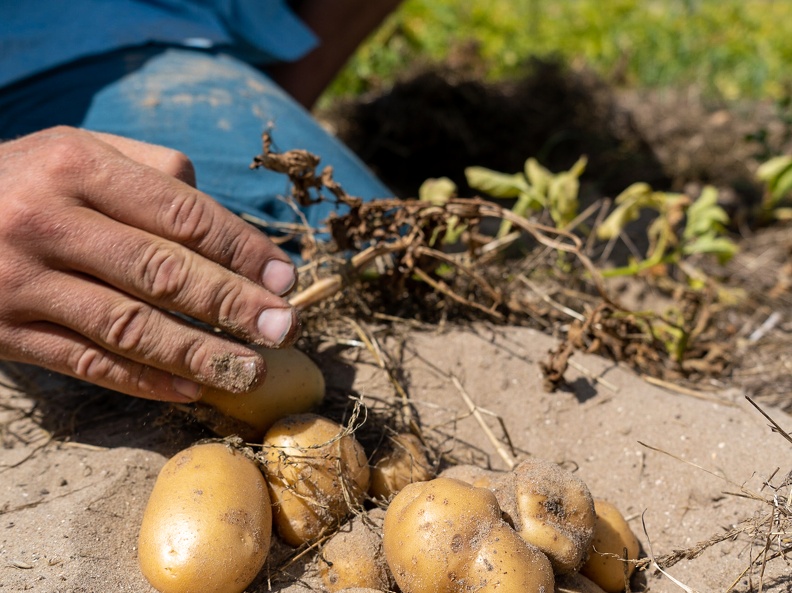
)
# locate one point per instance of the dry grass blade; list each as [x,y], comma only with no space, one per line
[686,391]
[374,348]
[499,448]
[657,566]
[774,425]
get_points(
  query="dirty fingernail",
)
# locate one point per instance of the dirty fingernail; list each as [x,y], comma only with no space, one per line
[274,325]
[278,277]
[185,387]
[236,374]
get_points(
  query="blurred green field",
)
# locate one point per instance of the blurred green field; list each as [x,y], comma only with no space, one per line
[728,49]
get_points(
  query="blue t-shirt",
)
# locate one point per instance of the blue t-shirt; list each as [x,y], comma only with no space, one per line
[36,35]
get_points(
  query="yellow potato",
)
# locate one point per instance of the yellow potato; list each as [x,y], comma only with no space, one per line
[474,475]
[315,472]
[353,556]
[402,461]
[446,536]
[207,524]
[613,538]
[293,384]
[550,508]
[506,562]
[574,582]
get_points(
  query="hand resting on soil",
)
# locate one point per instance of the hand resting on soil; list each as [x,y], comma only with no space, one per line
[101,237]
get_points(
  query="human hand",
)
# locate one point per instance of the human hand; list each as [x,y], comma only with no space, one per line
[101,237]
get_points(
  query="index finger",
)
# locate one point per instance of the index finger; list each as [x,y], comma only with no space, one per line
[153,201]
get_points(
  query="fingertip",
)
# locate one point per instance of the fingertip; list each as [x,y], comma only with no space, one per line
[276,326]
[279,277]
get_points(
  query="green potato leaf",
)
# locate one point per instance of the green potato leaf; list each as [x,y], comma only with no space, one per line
[495,184]
[705,216]
[437,191]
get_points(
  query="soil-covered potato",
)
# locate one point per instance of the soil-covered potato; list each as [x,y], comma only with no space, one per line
[551,508]
[613,549]
[446,536]
[548,506]
[207,524]
[402,461]
[315,472]
[293,385]
[353,556]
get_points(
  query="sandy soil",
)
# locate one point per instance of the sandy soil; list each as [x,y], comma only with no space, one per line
[77,464]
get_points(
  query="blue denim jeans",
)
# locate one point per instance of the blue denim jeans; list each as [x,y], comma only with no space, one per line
[209,105]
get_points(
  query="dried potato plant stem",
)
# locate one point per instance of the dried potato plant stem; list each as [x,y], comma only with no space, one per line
[412,245]
[474,410]
[327,287]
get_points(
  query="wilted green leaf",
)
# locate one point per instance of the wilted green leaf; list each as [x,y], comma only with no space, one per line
[783,185]
[538,176]
[562,194]
[563,199]
[628,207]
[454,231]
[772,169]
[437,191]
[704,216]
[721,247]
[777,176]
[495,184]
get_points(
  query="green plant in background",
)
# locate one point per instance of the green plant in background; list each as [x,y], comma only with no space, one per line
[776,174]
[535,189]
[728,48]
[703,232]
[438,192]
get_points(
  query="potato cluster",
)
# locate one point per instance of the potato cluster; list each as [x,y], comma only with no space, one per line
[588,542]
[209,520]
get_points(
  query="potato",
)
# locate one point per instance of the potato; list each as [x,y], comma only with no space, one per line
[548,506]
[474,475]
[446,536]
[293,384]
[207,524]
[315,472]
[612,537]
[353,556]
[574,582]
[506,562]
[402,461]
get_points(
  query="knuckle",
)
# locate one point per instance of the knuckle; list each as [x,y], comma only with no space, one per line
[178,165]
[69,154]
[192,220]
[23,218]
[189,217]
[195,358]
[127,328]
[164,272]
[91,364]
[238,249]
[229,305]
